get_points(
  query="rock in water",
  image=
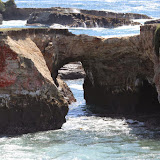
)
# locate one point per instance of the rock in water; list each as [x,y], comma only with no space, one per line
[153,21]
[29,99]
[76,20]
[119,75]
[1,18]
[72,71]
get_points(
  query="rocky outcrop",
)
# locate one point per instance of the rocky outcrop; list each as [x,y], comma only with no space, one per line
[120,75]
[115,15]
[151,33]
[118,70]
[65,91]
[24,13]
[76,20]
[153,21]
[29,99]
[72,71]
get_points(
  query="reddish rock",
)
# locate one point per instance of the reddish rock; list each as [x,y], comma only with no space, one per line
[29,99]
[119,75]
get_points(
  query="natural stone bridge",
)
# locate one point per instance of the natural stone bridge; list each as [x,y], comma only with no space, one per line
[119,75]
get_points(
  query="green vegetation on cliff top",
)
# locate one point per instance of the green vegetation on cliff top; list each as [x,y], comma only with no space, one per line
[7,5]
[157,40]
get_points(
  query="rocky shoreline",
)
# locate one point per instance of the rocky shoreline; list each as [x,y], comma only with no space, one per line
[121,74]
[31,72]
[23,13]
[71,17]
[76,20]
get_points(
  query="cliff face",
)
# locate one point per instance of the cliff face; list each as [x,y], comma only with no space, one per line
[30,101]
[119,75]
[148,32]
[118,70]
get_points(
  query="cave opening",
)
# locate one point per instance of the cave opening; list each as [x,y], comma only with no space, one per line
[70,81]
[148,98]
[143,101]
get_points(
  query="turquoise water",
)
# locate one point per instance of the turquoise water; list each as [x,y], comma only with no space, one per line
[85,137]
[148,7]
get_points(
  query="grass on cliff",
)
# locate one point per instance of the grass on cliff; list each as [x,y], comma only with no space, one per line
[157,40]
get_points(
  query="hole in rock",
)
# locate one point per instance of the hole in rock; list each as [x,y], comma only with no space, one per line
[74,72]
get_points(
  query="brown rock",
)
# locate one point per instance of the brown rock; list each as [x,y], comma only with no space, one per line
[30,101]
[76,20]
[65,91]
[119,75]
[24,13]
[72,71]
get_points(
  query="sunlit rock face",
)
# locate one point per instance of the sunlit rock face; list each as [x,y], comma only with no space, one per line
[119,75]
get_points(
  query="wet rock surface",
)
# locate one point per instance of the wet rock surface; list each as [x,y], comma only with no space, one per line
[153,21]
[72,71]
[65,91]
[76,20]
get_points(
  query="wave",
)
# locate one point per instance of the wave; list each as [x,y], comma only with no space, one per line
[76,86]
[14,23]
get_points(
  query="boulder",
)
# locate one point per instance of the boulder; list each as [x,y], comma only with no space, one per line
[72,71]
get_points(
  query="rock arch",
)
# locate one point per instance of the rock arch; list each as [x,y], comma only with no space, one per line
[115,67]
[115,70]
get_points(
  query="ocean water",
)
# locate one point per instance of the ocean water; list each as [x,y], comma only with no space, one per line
[149,7]
[86,136]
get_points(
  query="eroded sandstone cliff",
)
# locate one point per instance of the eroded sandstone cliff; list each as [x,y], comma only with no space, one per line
[29,99]
[120,75]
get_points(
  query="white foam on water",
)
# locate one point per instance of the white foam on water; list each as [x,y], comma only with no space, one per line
[74,10]
[14,23]
[58,26]
[76,86]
